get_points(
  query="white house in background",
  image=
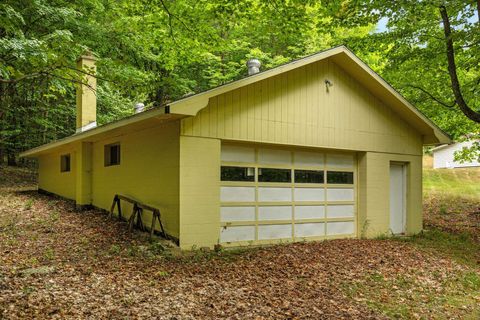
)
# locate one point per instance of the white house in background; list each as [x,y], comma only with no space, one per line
[443,156]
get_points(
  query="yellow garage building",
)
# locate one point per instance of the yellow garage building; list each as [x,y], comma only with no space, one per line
[318,148]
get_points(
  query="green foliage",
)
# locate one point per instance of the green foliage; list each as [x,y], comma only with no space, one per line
[156,51]
[149,51]
[415,61]
[469,154]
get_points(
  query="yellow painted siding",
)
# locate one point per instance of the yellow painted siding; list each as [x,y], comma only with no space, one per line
[295,108]
[83,170]
[51,179]
[148,171]
[199,192]
[374,193]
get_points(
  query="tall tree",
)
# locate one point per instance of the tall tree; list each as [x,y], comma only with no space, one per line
[432,53]
[152,51]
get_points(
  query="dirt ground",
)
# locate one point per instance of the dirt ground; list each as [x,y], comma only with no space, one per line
[58,263]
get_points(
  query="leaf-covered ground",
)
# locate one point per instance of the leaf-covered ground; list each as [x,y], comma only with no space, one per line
[452,200]
[57,263]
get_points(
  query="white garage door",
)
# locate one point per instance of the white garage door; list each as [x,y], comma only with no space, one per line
[269,194]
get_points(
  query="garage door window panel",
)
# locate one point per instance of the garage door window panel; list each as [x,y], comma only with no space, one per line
[274,175]
[309,176]
[237,173]
[339,177]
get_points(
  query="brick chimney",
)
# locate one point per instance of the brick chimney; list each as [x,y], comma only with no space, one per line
[86,98]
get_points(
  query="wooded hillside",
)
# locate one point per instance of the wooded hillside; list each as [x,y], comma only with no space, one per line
[155,51]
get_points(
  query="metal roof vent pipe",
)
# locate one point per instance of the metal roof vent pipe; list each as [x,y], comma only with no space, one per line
[139,107]
[253,66]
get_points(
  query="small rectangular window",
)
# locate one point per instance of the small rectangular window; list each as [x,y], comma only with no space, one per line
[308,176]
[274,175]
[65,163]
[237,174]
[112,154]
[339,177]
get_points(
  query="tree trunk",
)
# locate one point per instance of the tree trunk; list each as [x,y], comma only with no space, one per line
[11,159]
[452,69]
[478,11]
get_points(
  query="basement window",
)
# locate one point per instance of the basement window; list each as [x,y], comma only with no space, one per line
[237,174]
[339,177]
[112,154]
[65,163]
[274,175]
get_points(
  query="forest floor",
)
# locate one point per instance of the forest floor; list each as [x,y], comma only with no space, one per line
[57,263]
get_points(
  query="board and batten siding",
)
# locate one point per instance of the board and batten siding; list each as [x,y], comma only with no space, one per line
[296,108]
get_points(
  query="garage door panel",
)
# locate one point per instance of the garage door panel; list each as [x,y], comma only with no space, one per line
[275,213]
[274,156]
[309,212]
[269,194]
[237,154]
[340,194]
[340,211]
[309,194]
[274,231]
[229,214]
[274,194]
[234,234]
[237,194]
[340,161]
[340,228]
[308,159]
[309,230]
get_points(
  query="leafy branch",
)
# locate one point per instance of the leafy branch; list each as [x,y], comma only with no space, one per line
[447,105]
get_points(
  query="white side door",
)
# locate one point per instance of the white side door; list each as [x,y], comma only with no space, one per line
[397,198]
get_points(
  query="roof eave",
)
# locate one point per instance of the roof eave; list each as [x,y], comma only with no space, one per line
[81,136]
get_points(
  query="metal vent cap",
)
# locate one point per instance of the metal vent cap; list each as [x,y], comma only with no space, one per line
[253,66]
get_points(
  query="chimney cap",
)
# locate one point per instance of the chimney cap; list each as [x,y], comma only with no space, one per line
[87,55]
[253,66]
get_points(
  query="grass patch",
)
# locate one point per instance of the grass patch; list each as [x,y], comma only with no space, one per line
[460,247]
[461,182]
